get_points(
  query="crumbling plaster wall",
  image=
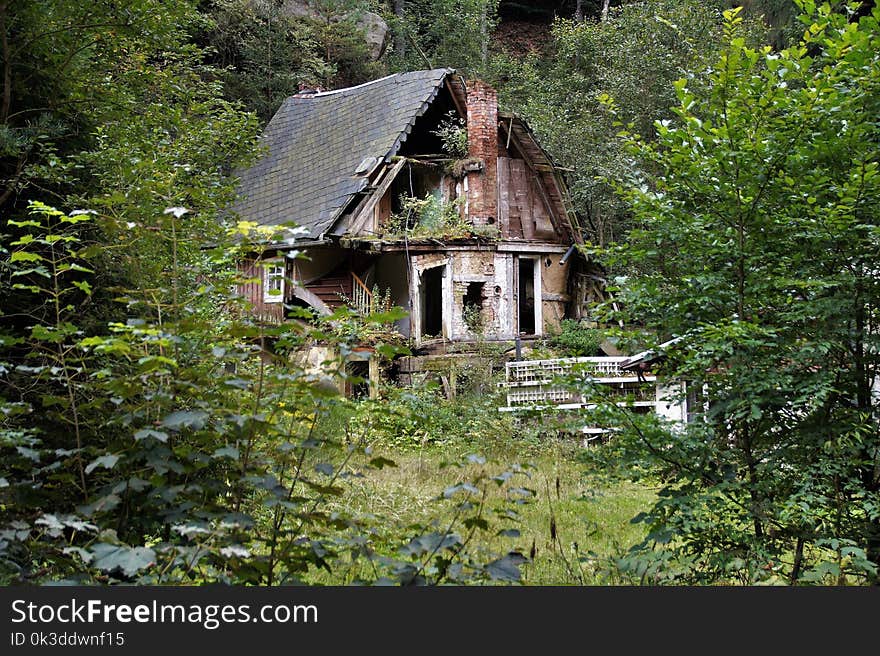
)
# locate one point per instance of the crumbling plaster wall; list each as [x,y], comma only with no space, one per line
[496,272]
[554,291]
[475,267]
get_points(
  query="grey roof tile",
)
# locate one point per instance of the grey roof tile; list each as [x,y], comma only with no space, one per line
[316,144]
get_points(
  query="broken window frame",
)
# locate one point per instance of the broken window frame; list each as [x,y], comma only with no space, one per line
[474,301]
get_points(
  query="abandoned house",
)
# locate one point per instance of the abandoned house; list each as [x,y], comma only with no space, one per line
[415,186]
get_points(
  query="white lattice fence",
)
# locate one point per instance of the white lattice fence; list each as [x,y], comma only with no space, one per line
[534,382]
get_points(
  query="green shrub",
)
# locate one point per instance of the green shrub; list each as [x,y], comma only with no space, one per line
[575,340]
[410,418]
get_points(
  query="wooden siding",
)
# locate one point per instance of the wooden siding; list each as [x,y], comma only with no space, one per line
[253,292]
[522,210]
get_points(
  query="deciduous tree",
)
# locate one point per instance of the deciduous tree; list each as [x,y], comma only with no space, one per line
[758,247]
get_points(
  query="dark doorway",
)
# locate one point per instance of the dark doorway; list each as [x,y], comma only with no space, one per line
[473,307]
[431,294]
[526,305]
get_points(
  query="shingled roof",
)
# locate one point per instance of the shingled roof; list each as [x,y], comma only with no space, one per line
[322,147]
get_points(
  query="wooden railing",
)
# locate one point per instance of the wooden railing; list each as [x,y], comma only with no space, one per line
[361,296]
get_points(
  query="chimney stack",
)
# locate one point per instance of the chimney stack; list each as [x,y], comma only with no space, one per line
[482,127]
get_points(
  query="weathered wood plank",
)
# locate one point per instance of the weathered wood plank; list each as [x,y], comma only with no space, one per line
[504,222]
[519,187]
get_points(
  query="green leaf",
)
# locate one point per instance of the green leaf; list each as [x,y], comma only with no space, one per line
[26,256]
[47,334]
[324,468]
[103,504]
[194,419]
[73,266]
[79,551]
[155,363]
[37,270]
[144,433]
[506,568]
[331,490]
[235,551]
[107,461]
[30,454]
[379,462]
[52,525]
[33,289]
[476,522]
[430,542]
[226,452]
[121,558]
[94,340]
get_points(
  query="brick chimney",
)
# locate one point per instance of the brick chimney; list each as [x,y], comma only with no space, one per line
[482,126]
[307,90]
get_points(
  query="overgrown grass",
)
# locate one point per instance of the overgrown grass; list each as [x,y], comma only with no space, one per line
[571,525]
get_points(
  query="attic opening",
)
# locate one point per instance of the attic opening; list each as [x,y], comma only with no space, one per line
[422,196]
[423,140]
[414,182]
[431,301]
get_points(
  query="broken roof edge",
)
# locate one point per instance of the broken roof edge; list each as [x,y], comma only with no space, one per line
[395,147]
[508,115]
[650,355]
[446,71]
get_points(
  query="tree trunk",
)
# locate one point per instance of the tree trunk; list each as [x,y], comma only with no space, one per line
[579,11]
[7,67]
[399,35]
[751,466]
[798,561]
[605,6]
[484,35]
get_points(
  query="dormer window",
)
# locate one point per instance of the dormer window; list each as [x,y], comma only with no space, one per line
[273,281]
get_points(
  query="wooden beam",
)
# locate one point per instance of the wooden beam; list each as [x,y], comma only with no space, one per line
[365,211]
[456,100]
[312,299]
[531,247]
[539,179]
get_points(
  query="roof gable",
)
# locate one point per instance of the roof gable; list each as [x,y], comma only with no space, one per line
[320,149]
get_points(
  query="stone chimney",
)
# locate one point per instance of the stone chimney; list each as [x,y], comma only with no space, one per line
[482,127]
[307,90]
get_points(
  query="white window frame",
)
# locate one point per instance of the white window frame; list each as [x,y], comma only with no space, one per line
[273,279]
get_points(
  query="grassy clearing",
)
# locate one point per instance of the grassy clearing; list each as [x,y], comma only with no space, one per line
[571,526]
